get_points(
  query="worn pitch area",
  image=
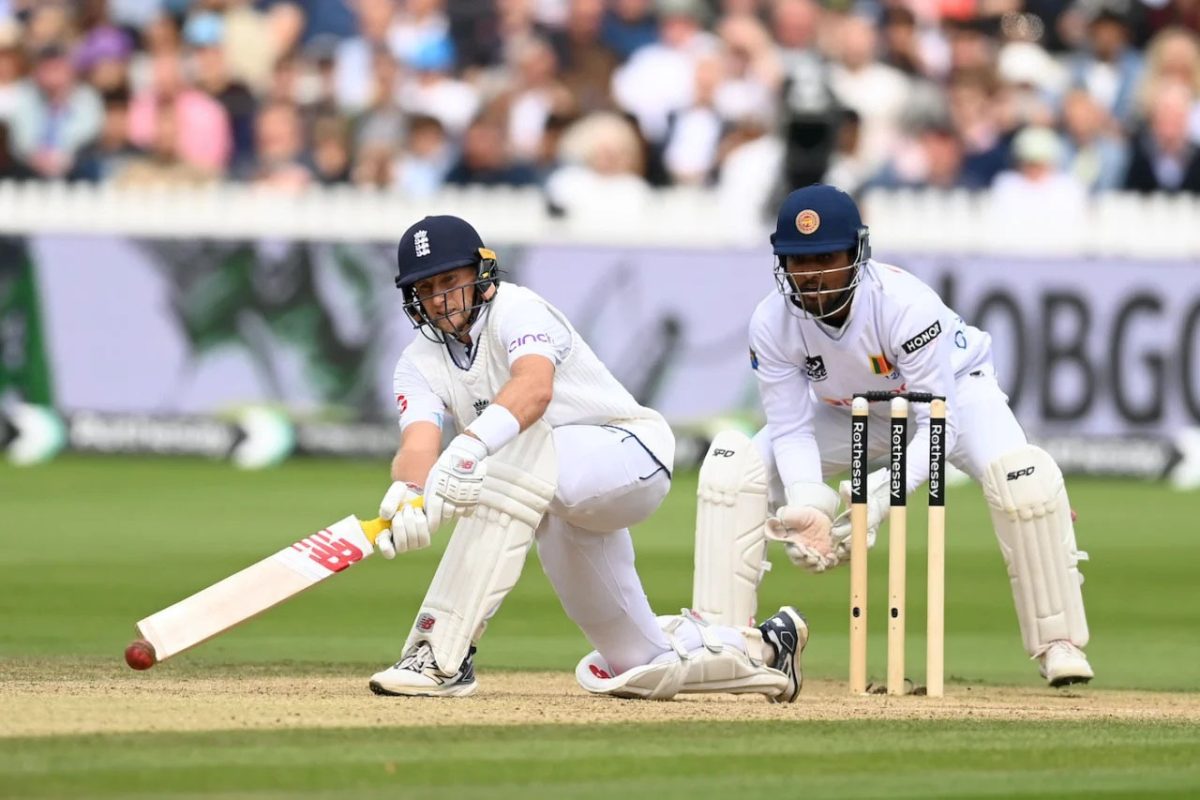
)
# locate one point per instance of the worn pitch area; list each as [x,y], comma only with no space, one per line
[35,701]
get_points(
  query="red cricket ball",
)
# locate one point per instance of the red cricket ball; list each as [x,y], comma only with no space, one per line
[140,654]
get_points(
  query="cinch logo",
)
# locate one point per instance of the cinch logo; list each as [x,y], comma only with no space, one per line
[719,453]
[526,339]
[332,554]
[1021,473]
[425,622]
[421,243]
[923,338]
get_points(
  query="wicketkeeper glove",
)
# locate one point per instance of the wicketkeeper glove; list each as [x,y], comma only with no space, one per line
[804,524]
[878,503]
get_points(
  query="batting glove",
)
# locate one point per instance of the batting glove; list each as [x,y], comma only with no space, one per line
[409,530]
[453,487]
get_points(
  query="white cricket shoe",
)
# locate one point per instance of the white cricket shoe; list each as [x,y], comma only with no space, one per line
[787,632]
[1064,664]
[418,675]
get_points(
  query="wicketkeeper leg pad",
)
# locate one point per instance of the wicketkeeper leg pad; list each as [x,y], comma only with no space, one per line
[487,550]
[712,666]
[1032,517]
[731,541]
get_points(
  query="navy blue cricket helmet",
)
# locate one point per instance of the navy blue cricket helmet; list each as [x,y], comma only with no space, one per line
[435,245]
[819,219]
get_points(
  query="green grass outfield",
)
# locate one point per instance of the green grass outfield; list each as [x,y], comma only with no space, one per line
[88,546]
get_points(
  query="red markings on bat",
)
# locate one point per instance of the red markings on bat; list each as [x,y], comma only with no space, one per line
[425,622]
[332,554]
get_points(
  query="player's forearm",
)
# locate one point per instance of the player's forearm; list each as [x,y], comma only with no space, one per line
[528,392]
[420,447]
[412,466]
[797,458]
[526,397]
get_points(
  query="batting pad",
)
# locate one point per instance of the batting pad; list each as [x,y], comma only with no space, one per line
[1032,517]
[731,541]
[714,667]
[486,552]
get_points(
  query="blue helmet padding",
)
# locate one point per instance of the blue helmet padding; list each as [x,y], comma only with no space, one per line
[448,242]
[840,226]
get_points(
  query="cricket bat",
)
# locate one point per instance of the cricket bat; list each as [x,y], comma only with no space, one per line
[255,589]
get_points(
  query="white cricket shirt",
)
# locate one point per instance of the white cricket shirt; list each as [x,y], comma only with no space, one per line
[899,336]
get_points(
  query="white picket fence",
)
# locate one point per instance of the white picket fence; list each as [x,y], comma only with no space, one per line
[900,221]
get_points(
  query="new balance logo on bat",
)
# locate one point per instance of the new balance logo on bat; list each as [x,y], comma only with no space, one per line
[332,554]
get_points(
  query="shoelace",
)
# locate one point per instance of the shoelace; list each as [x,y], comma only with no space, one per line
[421,658]
[1065,648]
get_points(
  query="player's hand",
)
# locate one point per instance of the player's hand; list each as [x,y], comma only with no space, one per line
[452,489]
[804,525]
[409,529]
[878,503]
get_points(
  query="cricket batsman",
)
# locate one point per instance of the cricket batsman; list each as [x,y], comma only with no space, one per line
[550,447]
[842,323]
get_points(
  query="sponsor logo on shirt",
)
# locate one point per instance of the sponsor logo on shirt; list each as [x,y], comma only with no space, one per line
[402,403]
[923,338]
[814,367]
[526,339]
[753,359]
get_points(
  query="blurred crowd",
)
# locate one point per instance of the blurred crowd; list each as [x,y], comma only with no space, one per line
[1042,100]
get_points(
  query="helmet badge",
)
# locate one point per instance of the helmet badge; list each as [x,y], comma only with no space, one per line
[807,221]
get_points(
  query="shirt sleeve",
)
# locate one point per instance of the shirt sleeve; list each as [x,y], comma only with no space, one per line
[415,399]
[531,328]
[787,404]
[923,341]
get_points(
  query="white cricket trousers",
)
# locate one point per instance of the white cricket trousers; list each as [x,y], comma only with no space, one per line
[984,424]
[606,483]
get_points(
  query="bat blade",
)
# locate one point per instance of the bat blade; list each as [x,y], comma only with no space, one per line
[260,586]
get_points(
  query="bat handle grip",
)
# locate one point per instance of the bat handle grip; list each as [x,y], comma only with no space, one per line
[373,527]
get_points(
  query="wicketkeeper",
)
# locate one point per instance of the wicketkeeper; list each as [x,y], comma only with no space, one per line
[841,323]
